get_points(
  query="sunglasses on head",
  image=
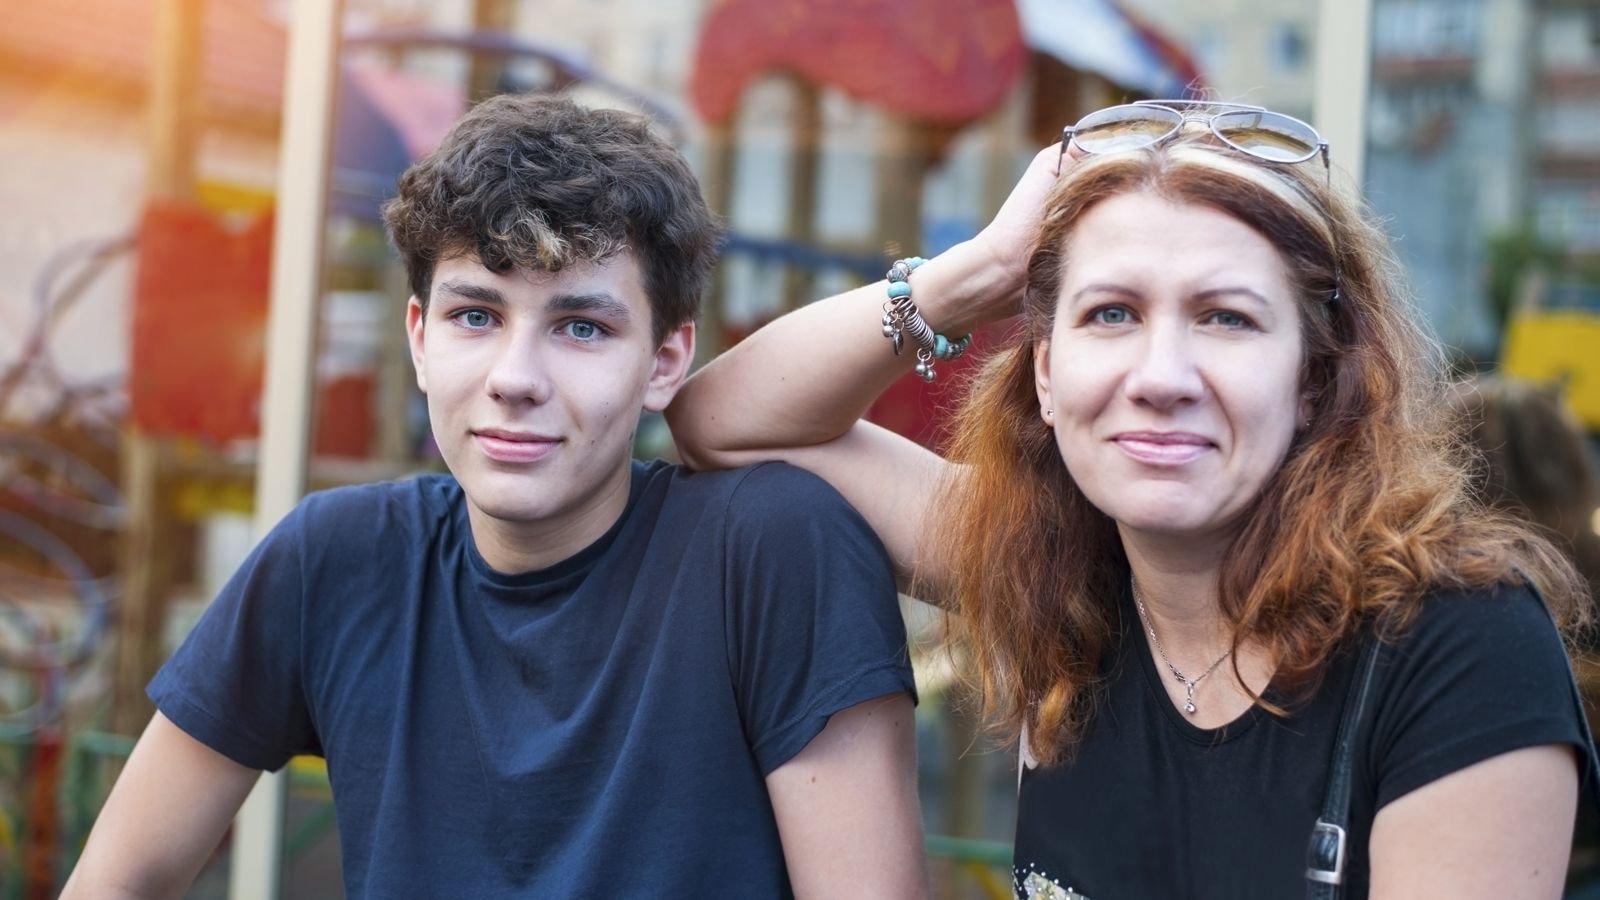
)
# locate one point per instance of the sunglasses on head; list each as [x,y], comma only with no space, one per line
[1266,135]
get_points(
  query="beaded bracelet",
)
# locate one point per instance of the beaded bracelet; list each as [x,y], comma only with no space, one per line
[901,318]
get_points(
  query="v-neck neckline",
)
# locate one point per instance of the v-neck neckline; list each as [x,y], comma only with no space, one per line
[1155,682]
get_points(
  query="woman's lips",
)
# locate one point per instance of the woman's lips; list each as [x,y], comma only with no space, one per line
[1164,448]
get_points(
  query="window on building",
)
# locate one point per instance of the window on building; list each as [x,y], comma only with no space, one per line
[1287,49]
[1426,28]
[1570,126]
[1569,39]
[1568,213]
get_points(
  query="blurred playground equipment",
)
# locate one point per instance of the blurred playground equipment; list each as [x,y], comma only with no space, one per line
[116,491]
[55,605]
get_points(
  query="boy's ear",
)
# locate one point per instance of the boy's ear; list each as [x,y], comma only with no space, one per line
[414,320]
[672,362]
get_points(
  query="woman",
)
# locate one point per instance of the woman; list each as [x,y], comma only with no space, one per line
[1175,511]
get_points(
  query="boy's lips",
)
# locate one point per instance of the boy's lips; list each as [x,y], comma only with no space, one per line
[502,445]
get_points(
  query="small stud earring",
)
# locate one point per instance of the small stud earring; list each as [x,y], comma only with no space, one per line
[1049,414]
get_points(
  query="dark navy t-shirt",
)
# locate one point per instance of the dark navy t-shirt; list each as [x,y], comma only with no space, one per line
[599,728]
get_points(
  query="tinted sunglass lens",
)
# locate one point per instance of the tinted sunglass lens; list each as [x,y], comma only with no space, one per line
[1268,135]
[1125,128]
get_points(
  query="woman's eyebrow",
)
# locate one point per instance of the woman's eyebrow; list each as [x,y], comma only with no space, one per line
[1104,287]
[1234,291]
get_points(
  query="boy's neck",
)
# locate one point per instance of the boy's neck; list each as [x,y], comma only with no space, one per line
[513,547]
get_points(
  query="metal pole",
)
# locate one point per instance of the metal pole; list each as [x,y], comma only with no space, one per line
[1344,75]
[310,80]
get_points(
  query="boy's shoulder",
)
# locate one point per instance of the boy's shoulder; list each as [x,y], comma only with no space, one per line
[766,492]
[410,507]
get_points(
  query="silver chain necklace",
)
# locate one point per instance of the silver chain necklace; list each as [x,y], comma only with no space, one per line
[1188,683]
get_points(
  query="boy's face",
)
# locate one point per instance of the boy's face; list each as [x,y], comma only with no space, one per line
[535,382]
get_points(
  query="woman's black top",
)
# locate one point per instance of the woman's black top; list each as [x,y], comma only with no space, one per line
[1153,807]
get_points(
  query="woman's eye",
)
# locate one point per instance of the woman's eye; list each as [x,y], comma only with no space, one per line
[1229,319]
[1110,315]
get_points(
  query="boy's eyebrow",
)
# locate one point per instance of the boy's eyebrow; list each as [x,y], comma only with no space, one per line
[597,302]
[466,290]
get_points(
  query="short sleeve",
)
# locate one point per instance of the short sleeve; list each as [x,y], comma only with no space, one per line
[235,684]
[813,618]
[1478,674]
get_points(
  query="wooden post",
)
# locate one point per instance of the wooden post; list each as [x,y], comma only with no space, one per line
[716,181]
[483,81]
[902,166]
[172,131]
[806,142]
[396,377]
[310,82]
[173,104]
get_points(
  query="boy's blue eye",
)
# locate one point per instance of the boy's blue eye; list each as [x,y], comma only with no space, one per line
[475,318]
[583,331]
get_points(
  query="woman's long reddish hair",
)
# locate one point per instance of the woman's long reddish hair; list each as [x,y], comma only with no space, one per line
[1370,509]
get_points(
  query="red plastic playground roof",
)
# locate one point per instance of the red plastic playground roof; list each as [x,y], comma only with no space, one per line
[934,61]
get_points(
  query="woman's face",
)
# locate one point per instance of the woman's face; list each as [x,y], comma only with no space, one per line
[1171,376]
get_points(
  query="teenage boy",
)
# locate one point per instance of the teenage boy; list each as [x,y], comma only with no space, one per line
[555,672]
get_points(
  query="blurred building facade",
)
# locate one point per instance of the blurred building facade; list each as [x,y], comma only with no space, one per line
[1565,94]
[1447,151]
[1484,134]
[1250,51]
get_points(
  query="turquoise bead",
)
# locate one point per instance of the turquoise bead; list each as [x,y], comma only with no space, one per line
[899,289]
[941,346]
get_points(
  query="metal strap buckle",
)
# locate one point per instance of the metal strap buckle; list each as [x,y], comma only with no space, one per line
[1319,866]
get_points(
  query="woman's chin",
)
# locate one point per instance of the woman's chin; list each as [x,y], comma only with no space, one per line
[1170,523]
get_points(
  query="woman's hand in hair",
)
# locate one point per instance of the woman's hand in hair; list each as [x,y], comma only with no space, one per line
[1010,237]
[980,281]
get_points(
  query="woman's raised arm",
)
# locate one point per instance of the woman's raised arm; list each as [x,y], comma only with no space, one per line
[797,388]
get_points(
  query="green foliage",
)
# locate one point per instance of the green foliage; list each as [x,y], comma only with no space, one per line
[1509,256]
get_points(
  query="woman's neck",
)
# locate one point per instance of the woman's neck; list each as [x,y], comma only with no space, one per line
[1177,585]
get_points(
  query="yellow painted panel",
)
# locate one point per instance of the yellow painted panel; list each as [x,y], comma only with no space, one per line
[1562,346]
[232,197]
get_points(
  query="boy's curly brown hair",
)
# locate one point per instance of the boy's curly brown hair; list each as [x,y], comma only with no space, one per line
[540,183]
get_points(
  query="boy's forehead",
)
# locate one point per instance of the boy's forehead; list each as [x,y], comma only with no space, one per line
[618,275]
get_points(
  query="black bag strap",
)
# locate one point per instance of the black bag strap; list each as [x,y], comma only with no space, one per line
[1325,853]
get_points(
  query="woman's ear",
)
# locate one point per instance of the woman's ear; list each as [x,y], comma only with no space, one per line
[1041,381]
